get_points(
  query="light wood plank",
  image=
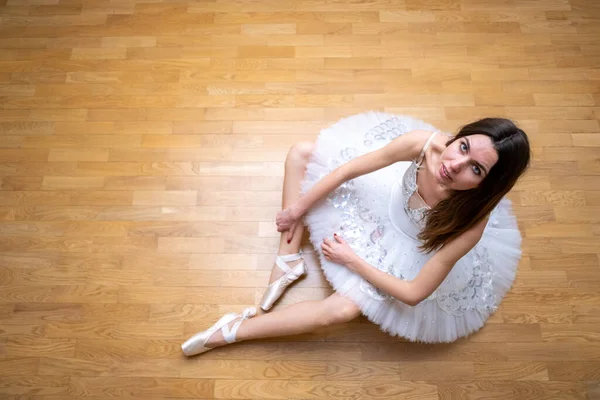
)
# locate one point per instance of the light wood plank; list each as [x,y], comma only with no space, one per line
[142,159]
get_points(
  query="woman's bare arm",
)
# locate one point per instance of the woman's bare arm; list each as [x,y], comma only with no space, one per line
[431,275]
[403,148]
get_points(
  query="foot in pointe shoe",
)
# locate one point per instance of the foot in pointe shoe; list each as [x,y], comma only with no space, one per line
[197,344]
[277,287]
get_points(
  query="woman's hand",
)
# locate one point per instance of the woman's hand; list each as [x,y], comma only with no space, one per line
[287,220]
[338,251]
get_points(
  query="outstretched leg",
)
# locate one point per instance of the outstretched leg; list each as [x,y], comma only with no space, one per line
[295,168]
[302,317]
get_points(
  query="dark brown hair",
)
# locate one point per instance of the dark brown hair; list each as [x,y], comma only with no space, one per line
[462,209]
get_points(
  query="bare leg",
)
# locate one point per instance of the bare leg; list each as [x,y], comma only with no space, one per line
[295,168]
[299,318]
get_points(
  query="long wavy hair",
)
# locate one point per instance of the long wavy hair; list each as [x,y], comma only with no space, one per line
[463,209]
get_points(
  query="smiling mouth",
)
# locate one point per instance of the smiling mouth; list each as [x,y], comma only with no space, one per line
[446,173]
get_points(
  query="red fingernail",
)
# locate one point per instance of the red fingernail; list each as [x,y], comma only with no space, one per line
[289,241]
[335,234]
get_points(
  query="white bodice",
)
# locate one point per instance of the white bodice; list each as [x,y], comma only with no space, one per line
[406,208]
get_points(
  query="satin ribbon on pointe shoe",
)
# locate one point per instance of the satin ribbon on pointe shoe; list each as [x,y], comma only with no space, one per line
[277,287]
[197,343]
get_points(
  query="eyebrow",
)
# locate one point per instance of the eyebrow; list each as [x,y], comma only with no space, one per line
[475,161]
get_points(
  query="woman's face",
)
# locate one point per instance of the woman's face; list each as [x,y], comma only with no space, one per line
[466,162]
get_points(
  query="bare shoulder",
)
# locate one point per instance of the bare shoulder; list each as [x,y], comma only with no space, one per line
[476,230]
[419,136]
[410,144]
[472,235]
[442,138]
[450,253]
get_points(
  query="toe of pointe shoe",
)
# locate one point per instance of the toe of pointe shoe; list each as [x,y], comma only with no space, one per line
[249,312]
[279,286]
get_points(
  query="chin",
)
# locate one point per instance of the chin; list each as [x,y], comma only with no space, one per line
[442,181]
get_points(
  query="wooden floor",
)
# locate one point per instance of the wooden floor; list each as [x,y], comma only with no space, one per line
[141,159]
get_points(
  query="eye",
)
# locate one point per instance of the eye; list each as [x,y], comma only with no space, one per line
[463,146]
[476,170]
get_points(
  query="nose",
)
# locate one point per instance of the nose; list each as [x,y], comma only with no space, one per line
[457,164]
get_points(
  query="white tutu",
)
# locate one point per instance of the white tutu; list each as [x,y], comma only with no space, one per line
[362,212]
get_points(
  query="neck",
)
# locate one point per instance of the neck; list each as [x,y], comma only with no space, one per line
[435,190]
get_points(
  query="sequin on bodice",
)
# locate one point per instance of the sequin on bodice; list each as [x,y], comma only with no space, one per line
[407,209]
[405,218]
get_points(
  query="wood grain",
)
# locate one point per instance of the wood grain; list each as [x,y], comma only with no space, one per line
[141,164]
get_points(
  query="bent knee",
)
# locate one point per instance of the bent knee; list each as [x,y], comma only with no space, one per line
[300,153]
[348,312]
[339,312]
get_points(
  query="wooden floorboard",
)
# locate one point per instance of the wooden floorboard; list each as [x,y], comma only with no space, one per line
[141,159]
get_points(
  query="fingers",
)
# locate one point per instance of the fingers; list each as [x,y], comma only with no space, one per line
[290,233]
[281,227]
[326,252]
[329,243]
[326,246]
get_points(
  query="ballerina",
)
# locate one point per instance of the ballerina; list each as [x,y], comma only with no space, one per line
[411,226]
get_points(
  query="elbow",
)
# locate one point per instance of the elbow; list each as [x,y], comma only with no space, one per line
[414,297]
[408,292]
[413,301]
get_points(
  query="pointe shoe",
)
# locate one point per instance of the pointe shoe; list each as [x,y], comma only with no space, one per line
[277,287]
[197,343]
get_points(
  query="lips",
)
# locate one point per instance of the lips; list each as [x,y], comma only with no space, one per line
[445,172]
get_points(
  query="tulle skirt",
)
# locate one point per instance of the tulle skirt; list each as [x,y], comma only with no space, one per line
[359,211]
